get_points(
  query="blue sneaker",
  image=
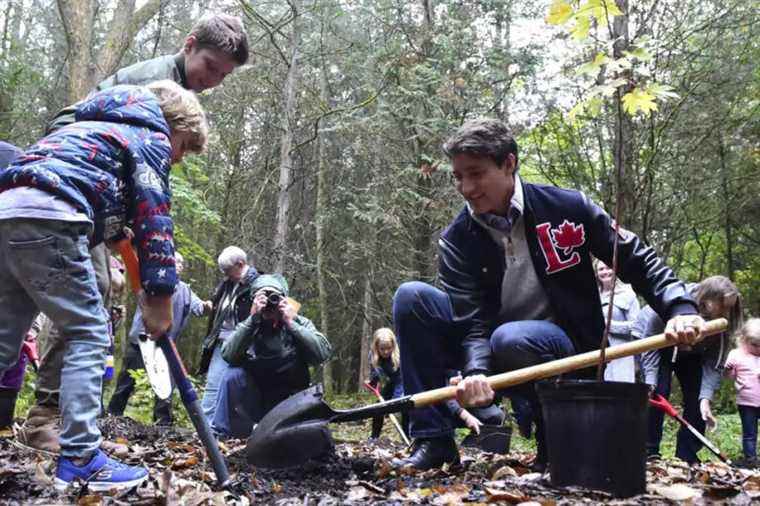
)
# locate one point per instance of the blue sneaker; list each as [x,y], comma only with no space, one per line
[101,474]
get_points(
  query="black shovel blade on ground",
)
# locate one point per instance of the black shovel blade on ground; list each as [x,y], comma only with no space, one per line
[296,431]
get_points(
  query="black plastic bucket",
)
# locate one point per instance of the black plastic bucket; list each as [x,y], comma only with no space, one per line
[596,434]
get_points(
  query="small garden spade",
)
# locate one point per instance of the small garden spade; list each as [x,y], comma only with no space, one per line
[661,403]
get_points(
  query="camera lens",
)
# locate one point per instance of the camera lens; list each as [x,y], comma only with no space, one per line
[273,299]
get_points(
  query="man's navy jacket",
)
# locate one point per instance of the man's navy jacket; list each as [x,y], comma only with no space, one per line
[563,229]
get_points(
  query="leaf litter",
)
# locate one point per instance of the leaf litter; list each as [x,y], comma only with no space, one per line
[358,473]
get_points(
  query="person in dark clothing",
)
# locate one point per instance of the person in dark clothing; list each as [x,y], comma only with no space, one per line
[7,153]
[698,368]
[231,304]
[386,369]
[12,379]
[269,355]
[518,289]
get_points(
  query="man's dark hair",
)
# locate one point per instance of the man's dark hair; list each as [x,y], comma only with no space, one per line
[224,33]
[482,137]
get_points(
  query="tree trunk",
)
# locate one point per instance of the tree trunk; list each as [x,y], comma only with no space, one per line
[503,27]
[623,149]
[122,30]
[320,217]
[366,332]
[727,210]
[77,17]
[288,125]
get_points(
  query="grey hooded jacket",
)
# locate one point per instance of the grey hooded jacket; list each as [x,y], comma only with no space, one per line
[164,67]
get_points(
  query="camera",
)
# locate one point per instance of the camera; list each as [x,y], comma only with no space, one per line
[273,300]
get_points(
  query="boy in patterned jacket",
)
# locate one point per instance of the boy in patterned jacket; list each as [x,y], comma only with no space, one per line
[76,188]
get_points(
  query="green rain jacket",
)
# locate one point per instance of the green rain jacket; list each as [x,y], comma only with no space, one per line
[264,349]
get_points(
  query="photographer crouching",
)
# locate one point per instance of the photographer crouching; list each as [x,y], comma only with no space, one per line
[269,354]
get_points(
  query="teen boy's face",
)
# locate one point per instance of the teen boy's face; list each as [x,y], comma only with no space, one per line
[204,67]
[486,186]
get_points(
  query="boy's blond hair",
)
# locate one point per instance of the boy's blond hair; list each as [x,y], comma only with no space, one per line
[182,112]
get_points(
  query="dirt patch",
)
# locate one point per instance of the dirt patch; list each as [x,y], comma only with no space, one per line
[358,473]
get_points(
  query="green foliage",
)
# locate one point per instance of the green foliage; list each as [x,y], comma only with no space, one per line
[191,210]
[26,397]
[140,406]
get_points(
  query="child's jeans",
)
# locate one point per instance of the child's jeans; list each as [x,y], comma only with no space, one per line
[45,266]
[749,416]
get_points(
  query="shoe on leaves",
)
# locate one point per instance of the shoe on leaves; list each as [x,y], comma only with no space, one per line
[101,474]
[40,430]
[429,453]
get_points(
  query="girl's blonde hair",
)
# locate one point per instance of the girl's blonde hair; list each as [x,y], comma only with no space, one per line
[182,112]
[717,288]
[387,335]
[750,332]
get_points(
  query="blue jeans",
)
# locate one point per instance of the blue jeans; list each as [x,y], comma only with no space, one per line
[749,416]
[45,266]
[429,341]
[216,369]
[244,398]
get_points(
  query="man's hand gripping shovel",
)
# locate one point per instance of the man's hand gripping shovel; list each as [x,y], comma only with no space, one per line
[173,363]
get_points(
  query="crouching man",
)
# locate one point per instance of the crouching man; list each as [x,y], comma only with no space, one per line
[269,355]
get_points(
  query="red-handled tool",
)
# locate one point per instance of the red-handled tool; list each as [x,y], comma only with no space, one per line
[376,391]
[179,373]
[663,405]
[29,348]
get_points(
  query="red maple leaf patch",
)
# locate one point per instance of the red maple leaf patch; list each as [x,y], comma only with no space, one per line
[568,236]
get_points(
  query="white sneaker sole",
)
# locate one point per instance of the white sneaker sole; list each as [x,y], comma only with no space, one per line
[101,486]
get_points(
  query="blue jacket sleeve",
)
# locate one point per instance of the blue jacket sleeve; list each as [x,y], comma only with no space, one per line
[153,227]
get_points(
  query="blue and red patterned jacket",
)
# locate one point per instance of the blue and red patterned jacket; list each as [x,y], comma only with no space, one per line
[112,165]
[563,229]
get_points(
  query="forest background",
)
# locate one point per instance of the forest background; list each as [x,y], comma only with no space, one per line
[325,163]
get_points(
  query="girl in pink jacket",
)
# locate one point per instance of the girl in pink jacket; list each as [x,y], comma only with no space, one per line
[743,365]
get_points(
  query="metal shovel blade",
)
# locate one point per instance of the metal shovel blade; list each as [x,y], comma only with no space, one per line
[156,367]
[295,431]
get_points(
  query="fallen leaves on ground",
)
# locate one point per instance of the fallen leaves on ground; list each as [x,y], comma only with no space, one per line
[358,473]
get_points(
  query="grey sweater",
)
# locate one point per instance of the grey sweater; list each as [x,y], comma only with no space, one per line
[184,303]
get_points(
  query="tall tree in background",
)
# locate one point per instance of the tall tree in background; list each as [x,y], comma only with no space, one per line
[288,126]
[88,65]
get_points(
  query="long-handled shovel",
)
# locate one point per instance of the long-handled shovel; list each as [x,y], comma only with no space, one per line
[179,373]
[376,391]
[663,405]
[296,429]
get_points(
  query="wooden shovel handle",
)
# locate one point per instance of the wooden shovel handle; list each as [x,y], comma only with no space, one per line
[568,364]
